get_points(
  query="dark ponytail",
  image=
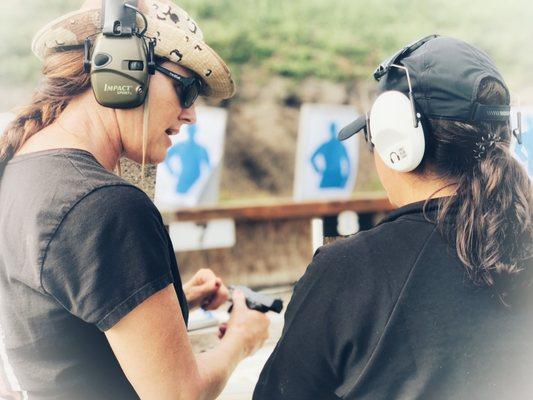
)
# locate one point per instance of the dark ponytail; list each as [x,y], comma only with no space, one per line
[491,214]
[62,79]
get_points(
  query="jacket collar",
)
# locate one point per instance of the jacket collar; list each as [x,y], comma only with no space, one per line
[423,210]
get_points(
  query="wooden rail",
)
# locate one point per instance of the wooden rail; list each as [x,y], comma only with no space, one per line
[283,210]
[273,241]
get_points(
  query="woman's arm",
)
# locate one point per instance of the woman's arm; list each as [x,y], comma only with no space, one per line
[154,351]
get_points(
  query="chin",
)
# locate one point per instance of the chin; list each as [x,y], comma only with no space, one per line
[158,154]
[156,159]
[153,155]
[157,150]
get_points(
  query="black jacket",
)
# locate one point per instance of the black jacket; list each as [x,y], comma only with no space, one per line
[390,313]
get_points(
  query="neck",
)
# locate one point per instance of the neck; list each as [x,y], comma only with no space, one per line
[419,189]
[86,125]
[94,128]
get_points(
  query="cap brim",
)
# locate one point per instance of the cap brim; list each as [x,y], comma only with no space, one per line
[351,129]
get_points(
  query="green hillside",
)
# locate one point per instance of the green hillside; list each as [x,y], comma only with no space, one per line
[341,40]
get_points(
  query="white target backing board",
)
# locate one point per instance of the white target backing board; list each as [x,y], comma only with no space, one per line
[326,168]
[524,152]
[190,174]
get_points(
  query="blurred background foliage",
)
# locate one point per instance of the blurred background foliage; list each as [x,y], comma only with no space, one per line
[287,52]
[337,40]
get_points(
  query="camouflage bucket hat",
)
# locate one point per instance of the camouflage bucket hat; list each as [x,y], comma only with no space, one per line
[179,39]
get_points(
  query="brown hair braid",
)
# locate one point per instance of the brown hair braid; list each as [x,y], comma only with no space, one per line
[62,79]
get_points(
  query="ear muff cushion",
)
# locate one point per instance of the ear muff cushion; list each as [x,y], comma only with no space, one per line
[399,144]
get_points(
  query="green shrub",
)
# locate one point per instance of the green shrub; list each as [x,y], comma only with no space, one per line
[339,40]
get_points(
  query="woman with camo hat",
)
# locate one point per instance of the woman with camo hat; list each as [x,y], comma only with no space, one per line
[91,301]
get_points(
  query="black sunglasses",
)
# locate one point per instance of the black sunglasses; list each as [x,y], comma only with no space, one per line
[187,87]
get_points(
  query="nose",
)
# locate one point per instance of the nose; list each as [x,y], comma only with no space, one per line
[188,115]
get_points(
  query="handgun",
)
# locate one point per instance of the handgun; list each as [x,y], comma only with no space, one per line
[258,301]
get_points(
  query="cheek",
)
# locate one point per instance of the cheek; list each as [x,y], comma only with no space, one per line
[378,163]
[163,113]
[391,180]
[162,94]
[383,171]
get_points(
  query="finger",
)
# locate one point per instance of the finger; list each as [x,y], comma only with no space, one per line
[222,330]
[213,303]
[223,291]
[221,296]
[204,294]
[207,273]
[203,275]
[239,301]
[208,286]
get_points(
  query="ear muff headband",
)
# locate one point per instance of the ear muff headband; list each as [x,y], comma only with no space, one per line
[120,61]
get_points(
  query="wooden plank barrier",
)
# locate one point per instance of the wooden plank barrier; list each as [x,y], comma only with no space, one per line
[273,240]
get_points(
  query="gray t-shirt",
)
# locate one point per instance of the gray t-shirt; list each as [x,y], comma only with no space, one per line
[79,249]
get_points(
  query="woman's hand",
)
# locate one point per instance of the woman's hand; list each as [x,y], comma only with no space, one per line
[205,289]
[249,327]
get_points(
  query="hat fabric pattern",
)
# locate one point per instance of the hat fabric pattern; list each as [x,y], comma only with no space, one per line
[178,36]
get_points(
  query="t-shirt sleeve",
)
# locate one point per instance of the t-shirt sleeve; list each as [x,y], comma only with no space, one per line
[108,255]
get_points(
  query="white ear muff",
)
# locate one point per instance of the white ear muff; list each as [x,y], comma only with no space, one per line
[399,144]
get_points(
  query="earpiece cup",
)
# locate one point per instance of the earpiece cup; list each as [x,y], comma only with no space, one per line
[119,71]
[400,145]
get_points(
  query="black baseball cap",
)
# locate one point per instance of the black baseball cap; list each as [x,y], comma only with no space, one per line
[445,76]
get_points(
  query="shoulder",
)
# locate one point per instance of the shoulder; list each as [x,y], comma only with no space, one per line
[88,171]
[90,187]
[113,204]
[382,254]
[388,235]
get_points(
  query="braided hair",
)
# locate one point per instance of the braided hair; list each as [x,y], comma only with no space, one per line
[62,79]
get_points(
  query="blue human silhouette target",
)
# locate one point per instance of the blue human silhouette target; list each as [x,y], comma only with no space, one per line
[335,168]
[325,167]
[190,174]
[193,160]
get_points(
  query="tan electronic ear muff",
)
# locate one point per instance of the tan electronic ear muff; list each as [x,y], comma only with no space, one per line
[121,61]
[398,142]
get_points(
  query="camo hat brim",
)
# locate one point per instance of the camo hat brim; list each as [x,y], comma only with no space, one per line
[179,39]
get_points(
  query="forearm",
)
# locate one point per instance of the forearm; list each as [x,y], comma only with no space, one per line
[216,365]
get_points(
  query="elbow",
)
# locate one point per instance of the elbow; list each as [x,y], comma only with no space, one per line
[195,390]
[192,395]
[191,390]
